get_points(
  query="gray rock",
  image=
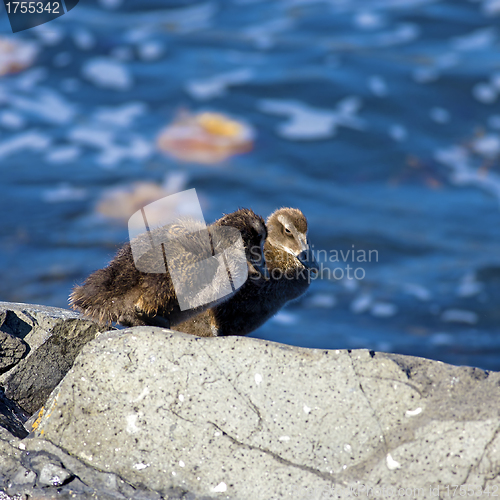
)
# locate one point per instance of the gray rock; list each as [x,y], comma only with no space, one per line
[34,468]
[12,350]
[243,418]
[41,344]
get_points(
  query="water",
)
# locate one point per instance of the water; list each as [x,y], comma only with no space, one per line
[380,120]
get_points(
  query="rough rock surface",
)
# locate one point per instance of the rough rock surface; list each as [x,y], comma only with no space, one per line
[38,345]
[248,419]
[36,469]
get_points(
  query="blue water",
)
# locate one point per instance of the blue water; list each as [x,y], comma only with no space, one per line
[400,154]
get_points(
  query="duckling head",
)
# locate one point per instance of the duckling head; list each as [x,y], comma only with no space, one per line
[287,231]
[254,233]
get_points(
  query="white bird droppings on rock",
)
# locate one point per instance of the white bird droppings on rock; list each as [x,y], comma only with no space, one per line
[140,466]
[413,413]
[391,463]
[131,427]
[306,409]
[220,488]
[181,463]
[284,438]
[181,397]
[258,378]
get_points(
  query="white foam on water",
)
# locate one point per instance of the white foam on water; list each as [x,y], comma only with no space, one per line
[111,4]
[30,78]
[463,173]
[321,300]
[111,154]
[425,74]
[47,105]
[403,33]
[284,318]
[307,123]
[383,310]
[439,115]
[398,132]
[484,92]
[263,34]
[123,115]
[175,181]
[64,192]
[476,40]
[487,145]
[29,140]
[63,154]
[368,20]
[459,316]
[418,291]
[361,304]
[442,338]
[491,7]
[151,50]
[378,86]
[12,120]
[84,39]
[92,136]
[49,34]
[217,85]
[469,286]
[107,73]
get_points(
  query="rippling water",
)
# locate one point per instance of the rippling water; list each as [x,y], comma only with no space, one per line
[379,119]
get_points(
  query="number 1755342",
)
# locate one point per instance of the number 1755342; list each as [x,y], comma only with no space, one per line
[33,8]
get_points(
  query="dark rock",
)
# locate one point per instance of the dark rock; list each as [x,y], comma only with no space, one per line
[12,350]
[41,345]
[12,417]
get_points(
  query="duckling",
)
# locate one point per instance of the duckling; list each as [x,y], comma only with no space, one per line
[290,266]
[124,293]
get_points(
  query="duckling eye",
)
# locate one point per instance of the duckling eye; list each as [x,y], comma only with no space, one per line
[287,231]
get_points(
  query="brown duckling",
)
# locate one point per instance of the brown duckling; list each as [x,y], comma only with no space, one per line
[290,264]
[123,293]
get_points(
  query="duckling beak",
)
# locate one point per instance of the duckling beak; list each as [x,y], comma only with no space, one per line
[306,258]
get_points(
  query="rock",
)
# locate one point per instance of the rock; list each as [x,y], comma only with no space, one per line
[12,350]
[39,345]
[12,417]
[35,468]
[250,419]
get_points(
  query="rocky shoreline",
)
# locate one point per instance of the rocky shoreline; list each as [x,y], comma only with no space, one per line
[150,413]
